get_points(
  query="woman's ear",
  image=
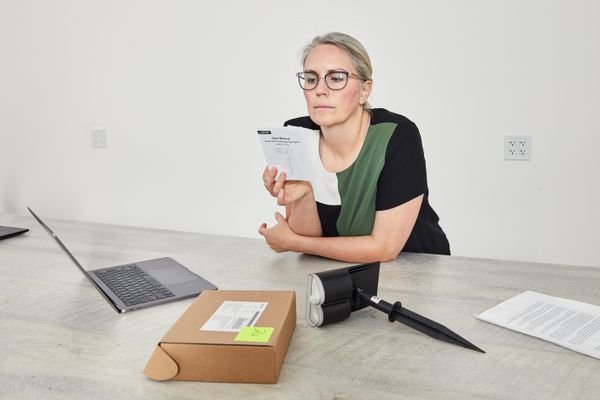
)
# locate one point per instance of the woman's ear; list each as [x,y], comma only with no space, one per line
[365,91]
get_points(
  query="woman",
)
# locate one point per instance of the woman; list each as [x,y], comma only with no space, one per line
[370,198]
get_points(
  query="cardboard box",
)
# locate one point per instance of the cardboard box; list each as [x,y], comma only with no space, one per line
[192,350]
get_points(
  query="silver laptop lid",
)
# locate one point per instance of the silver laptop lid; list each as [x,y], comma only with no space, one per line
[72,257]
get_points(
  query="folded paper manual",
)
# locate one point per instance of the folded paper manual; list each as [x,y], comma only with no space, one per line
[227,336]
[568,323]
[291,149]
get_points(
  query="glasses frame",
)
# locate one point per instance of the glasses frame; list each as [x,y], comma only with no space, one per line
[300,76]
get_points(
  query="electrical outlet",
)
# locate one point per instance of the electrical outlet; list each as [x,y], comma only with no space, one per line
[99,139]
[517,147]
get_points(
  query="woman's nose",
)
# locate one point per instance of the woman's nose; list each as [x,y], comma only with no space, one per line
[321,88]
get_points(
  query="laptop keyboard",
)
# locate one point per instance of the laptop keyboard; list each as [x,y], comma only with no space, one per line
[133,285]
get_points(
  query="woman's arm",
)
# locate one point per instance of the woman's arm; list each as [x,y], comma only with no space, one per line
[390,232]
[302,215]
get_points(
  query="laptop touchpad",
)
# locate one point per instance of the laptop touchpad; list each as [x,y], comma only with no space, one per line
[172,276]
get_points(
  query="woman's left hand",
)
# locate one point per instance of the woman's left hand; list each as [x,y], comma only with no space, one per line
[279,237]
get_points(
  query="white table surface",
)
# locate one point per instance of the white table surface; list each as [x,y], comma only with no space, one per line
[61,340]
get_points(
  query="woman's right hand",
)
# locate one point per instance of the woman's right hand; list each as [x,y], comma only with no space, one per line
[272,185]
[286,192]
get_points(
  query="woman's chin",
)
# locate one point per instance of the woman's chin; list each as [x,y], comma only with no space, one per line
[322,120]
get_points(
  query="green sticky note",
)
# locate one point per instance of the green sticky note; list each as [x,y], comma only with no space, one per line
[254,334]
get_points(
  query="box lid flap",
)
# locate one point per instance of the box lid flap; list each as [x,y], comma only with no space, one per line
[161,366]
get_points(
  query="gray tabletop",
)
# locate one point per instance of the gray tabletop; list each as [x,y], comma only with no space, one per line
[61,340]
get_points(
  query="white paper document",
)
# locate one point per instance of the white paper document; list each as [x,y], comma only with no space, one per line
[289,149]
[568,323]
[231,316]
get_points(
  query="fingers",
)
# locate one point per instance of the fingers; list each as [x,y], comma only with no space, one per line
[264,231]
[279,183]
[268,177]
[273,235]
[271,184]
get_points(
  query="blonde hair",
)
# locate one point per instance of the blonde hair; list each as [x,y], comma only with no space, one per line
[355,50]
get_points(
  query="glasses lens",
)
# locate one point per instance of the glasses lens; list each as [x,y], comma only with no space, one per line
[308,80]
[336,80]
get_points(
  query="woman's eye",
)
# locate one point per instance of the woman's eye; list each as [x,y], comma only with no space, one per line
[337,77]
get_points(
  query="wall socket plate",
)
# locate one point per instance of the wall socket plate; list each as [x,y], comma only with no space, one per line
[99,138]
[517,147]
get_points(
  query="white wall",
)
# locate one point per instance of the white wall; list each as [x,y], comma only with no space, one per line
[180,87]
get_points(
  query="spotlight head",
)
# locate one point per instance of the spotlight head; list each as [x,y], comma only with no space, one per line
[331,295]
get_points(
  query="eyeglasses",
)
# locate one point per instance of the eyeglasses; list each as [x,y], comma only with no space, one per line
[335,80]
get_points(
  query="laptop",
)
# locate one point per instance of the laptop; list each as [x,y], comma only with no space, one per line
[141,284]
[10,231]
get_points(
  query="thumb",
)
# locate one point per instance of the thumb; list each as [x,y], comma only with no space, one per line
[262,228]
[279,217]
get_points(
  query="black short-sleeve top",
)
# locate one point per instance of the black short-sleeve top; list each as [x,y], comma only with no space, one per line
[388,171]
